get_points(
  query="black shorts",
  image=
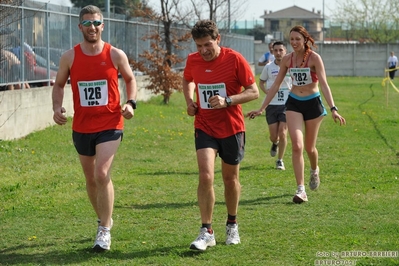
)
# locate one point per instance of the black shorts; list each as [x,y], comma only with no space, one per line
[275,113]
[85,143]
[310,106]
[230,149]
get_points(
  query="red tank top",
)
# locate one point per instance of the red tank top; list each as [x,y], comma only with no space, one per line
[312,74]
[94,81]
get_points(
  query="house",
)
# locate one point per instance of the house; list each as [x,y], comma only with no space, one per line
[280,22]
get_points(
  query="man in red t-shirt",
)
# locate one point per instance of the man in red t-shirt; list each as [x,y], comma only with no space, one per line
[93,67]
[216,75]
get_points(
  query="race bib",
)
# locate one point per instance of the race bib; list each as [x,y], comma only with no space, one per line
[93,93]
[206,91]
[282,94]
[300,76]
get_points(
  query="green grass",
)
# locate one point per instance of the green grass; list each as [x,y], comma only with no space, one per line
[46,218]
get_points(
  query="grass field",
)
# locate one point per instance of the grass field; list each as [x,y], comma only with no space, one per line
[46,218]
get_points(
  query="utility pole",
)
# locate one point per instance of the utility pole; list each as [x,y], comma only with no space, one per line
[228,20]
[323,29]
[107,11]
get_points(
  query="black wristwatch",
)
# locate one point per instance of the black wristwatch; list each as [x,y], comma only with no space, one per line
[334,108]
[132,103]
[228,101]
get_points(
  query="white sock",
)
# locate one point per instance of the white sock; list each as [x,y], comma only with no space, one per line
[301,188]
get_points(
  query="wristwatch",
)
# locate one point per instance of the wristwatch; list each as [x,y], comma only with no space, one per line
[132,103]
[334,108]
[228,101]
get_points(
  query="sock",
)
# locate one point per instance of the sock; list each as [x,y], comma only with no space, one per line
[301,188]
[231,219]
[208,227]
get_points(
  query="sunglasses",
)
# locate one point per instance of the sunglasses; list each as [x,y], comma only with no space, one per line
[88,23]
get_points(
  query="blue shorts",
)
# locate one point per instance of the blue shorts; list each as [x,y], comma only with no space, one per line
[230,149]
[85,143]
[310,106]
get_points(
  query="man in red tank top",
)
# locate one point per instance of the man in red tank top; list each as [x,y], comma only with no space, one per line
[217,75]
[93,67]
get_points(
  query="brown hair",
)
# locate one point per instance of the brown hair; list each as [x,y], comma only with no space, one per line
[205,28]
[308,39]
[90,9]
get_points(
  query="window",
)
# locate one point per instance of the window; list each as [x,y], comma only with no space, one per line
[274,25]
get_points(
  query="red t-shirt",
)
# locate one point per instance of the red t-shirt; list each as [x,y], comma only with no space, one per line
[94,81]
[225,75]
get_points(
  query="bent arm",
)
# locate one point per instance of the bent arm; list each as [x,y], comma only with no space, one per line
[58,87]
[188,90]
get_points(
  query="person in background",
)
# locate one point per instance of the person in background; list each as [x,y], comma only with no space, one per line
[275,111]
[222,80]
[93,66]
[392,65]
[304,107]
[267,57]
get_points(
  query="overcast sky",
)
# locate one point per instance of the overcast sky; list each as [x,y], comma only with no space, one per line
[255,8]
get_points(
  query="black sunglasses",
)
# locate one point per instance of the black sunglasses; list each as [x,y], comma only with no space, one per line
[88,23]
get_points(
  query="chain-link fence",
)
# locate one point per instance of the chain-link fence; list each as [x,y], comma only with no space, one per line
[41,32]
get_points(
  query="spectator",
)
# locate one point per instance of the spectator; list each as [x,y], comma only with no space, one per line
[392,65]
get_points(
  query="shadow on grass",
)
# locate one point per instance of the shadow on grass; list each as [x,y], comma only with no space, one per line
[173,205]
[14,256]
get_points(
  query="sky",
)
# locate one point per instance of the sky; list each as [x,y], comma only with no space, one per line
[256,8]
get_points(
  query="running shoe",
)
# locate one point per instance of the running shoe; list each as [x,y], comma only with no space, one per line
[232,236]
[273,150]
[204,240]
[314,182]
[300,196]
[280,165]
[103,239]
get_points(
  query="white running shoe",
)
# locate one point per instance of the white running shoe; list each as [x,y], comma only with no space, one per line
[204,240]
[300,196]
[232,236]
[103,239]
[314,182]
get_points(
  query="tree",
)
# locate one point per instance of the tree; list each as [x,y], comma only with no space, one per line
[258,32]
[163,78]
[368,20]
[125,7]
[221,11]
[159,62]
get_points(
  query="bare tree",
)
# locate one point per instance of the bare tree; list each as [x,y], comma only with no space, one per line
[368,20]
[171,35]
[159,62]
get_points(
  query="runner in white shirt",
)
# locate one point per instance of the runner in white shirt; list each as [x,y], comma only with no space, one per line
[275,112]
